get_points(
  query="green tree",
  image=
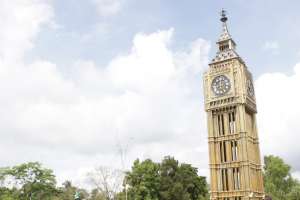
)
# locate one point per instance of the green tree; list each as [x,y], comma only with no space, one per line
[167,180]
[278,181]
[97,195]
[34,181]
[144,180]
[68,191]
[295,192]
[9,194]
[180,181]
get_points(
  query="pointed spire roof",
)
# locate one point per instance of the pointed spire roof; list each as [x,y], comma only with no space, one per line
[225,33]
[226,45]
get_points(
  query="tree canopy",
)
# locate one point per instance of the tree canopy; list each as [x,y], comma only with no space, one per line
[28,181]
[168,180]
[147,180]
[278,181]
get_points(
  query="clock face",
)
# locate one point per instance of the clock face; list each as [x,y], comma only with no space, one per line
[250,88]
[220,85]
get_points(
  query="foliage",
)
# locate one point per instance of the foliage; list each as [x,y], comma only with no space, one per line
[278,181]
[180,182]
[147,180]
[68,191]
[97,195]
[295,193]
[107,181]
[9,194]
[167,180]
[144,180]
[32,180]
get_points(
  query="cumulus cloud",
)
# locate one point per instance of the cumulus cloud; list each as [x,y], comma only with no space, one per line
[278,118]
[146,100]
[20,22]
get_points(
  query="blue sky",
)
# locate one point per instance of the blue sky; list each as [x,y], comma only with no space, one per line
[252,25]
[80,79]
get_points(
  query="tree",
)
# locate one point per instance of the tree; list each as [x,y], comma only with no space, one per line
[107,181]
[167,180]
[295,193]
[34,181]
[6,193]
[68,191]
[9,194]
[180,181]
[97,195]
[144,180]
[278,181]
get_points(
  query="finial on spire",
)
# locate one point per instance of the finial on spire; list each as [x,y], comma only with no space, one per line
[225,34]
[223,16]
[226,44]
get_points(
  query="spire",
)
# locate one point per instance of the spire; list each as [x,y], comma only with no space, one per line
[226,45]
[225,34]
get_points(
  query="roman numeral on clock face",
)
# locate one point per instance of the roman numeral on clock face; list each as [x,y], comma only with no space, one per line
[220,85]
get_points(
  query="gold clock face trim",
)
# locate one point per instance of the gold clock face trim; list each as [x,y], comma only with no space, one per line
[221,85]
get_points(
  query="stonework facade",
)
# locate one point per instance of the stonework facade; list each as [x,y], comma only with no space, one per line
[235,165]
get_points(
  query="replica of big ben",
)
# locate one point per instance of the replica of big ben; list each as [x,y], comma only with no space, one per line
[235,166]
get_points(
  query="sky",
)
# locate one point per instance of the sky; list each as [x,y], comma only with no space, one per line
[83,80]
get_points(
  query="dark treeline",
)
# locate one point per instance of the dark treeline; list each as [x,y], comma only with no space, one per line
[147,180]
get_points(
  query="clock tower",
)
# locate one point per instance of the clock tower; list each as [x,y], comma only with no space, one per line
[235,165]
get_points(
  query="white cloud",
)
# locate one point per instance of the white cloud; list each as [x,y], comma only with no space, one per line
[20,22]
[107,8]
[149,98]
[271,46]
[278,115]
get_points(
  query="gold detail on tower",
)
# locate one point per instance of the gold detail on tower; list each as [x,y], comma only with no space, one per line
[235,165]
